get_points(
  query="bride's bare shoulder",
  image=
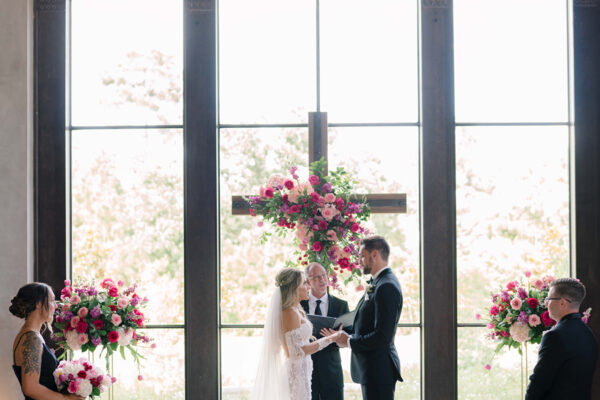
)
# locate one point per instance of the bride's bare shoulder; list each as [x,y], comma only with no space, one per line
[290,319]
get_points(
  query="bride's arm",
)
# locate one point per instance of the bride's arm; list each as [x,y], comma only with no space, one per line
[290,321]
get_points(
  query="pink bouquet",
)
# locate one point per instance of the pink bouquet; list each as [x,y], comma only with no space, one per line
[324,216]
[108,317]
[81,378]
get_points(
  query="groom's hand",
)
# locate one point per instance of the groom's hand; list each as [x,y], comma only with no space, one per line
[341,337]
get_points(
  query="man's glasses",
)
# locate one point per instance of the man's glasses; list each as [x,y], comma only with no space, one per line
[317,277]
[547,299]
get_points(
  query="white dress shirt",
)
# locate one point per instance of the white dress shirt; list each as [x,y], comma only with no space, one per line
[312,304]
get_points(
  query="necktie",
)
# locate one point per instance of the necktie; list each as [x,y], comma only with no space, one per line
[318,308]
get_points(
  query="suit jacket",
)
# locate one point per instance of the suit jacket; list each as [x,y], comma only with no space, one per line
[566,362]
[327,364]
[374,356]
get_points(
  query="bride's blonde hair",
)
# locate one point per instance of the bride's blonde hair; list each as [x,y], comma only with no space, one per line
[289,280]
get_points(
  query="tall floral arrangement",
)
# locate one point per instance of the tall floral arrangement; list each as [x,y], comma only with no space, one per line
[107,317]
[325,217]
[518,313]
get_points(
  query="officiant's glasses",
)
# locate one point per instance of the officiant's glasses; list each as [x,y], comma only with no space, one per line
[317,277]
[547,299]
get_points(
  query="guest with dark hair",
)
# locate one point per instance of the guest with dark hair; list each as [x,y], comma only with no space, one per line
[34,362]
[568,352]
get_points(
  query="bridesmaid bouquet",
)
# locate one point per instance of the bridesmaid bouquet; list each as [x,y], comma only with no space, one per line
[323,214]
[81,378]
[108,317]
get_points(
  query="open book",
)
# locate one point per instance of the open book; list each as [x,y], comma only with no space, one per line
[319,322]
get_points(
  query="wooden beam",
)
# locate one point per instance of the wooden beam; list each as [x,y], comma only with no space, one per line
[586,63]
[50,210]
[381,203]
[317,137]
[438,212]
[201,213]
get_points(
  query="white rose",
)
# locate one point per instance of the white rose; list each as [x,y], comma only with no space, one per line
[73,340]
[85,388]
[519,333]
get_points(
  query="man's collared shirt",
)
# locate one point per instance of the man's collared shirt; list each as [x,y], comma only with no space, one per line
[312,304]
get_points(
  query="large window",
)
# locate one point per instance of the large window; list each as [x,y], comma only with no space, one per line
[512,169]
[367,82]
[125,135]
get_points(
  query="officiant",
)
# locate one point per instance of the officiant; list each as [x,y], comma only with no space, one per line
[327,376]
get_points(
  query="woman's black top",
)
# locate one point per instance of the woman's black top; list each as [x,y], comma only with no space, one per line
[49,365]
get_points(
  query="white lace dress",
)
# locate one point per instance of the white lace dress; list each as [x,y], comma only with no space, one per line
[299,365]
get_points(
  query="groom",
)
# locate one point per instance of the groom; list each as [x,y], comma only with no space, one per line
[327,375]
[375,363]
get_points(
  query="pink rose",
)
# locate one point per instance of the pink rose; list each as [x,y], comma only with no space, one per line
[75,299]
[82,312]
[549,279]
[329,197]
[74,321]
[73,387]
[269,193]
[317,246]
[66,307]
[512,285]
[289,185]
[538,284]
[329,212]
[122,303]
[82,338]
[488,367]
[354,227]
[113,292]
[516,303]
[140,377]
[261,192]
[494,310]
[313,179]
[314,196]
[115,319]
[332,236]
[477,316]
[534,320]
[528,273]
[360,288]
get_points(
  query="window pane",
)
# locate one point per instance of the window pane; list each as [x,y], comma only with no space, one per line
[511,60]
[127,214]
[387,162]
[127,62]
[267,67]
[512,209]
[369,74]
[502,382]
[238,374]
[248,158]
[163,370]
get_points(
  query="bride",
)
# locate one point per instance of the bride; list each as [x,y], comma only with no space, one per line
[285,367]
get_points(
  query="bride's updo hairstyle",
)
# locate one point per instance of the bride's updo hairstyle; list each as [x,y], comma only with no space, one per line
[28,297]
[289,280]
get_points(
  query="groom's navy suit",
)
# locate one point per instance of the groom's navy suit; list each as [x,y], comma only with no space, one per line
[375,363]
[566,362]
[327,376]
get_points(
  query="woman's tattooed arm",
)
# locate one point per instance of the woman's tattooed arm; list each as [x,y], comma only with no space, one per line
[31,349]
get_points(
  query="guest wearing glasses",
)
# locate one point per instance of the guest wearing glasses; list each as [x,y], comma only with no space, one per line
[568,352]
[327,376]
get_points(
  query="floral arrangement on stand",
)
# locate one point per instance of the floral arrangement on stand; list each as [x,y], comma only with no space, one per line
[87,318]
[326,219]
[518,315]
[82,378]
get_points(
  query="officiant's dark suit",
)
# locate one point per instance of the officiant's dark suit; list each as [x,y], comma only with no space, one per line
[375,362]
[327,376]
[566,362]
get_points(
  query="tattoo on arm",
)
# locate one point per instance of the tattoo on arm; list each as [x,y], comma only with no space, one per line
[32,353]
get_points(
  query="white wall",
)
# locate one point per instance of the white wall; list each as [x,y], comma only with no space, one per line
[16,183]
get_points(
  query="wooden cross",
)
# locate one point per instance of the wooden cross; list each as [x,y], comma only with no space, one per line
[380,203]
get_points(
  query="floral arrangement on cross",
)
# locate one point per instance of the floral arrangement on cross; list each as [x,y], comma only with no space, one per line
[322,212]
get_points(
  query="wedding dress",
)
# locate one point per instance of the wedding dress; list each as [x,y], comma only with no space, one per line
[279,377]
